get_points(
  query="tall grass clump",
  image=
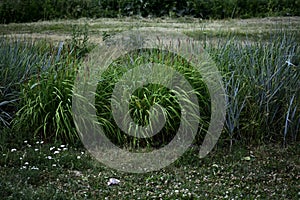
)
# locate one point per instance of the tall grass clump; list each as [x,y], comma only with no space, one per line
[147,96]
[19,59]
[262,81]
[45,98]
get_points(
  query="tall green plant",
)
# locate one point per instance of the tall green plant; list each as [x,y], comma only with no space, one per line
[45,98]
[19,59]
[262,88]
[149,95]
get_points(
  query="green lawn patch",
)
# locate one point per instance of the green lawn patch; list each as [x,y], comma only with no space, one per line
[56,171]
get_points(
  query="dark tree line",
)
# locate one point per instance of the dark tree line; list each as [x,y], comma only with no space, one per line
[34,10]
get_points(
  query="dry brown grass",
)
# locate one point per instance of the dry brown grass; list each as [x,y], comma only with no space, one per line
[61,29]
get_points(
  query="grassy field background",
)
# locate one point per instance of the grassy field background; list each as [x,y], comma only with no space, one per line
[61,29]
[250,163]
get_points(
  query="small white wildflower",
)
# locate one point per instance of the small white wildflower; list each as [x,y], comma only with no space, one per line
[56,152]
[62,146]
[34,168]
[65,149]
[59,149]
[51,148]
[36,149]
[41,142]
[49,157]
[78,157]
[82,153]
[113,181]
[26,163]
[21,158]
[28,145]
[25,141]
[53,165]
[13,150]
[37,142]
[215,165]
[289,63]
[23,167]
[247,158]
[77,173]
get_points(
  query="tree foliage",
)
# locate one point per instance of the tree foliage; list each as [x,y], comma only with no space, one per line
[34,10]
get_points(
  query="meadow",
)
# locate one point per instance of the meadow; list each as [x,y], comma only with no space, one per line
[256,157]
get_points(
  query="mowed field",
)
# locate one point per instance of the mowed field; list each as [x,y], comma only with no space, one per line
[61,29]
